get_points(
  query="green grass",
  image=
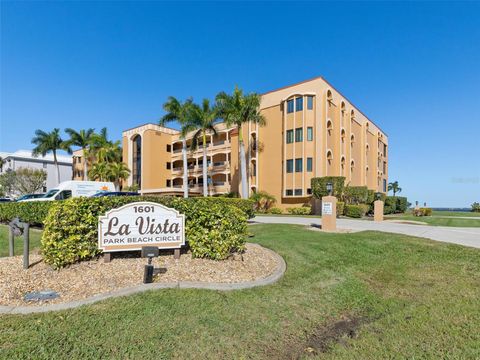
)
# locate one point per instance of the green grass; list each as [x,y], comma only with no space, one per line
[35,236]
[456,213]
[413,298]
[438,220]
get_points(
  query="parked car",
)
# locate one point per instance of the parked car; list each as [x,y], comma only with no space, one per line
[73,188]
[5,200]
[115,193]
[30,196]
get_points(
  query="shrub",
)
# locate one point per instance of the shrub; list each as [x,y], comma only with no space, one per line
[275,210]
[213,229]
[390,206]
[34,212]
[370,197]
[422,212]
[262,201]
[319,186]
[354,211]
[476,207]
[401,204]
[355,194]
[365,208]
[304,210]
[340,208]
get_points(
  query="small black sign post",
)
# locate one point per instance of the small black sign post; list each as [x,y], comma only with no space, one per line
[18,228]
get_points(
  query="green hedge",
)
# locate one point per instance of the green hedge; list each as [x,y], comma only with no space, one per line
[356,195]
[214,229]
[35,212]
[395,204]
[355,211]
[340,208]
[319,186]
[304,210]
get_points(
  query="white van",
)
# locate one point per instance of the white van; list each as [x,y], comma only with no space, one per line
[68,189]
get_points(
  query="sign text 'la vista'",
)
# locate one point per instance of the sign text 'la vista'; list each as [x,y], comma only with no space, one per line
[139,224]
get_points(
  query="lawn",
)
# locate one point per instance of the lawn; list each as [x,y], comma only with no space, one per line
[35,236]
[439,219]
[366,295]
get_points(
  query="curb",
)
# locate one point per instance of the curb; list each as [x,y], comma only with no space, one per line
[272,278]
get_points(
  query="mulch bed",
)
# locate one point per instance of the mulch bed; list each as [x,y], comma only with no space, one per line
[89,278]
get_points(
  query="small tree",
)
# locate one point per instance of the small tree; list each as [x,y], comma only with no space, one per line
[263,201]
[7,182]
[393,186]
[476,207]
[28,181]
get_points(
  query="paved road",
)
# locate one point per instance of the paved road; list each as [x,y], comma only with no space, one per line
[454,235]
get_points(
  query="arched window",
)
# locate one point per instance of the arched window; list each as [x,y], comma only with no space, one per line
[329,127]
[352,166]
[352,140]
[329,98]
[367,148]
[352,115]
[329,157]
[342,166]
[342,135]
[137,161]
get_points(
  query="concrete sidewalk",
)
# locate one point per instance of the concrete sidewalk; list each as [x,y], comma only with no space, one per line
[455,235]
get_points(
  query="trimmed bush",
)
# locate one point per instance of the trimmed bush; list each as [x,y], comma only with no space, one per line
[213,229]
[390,206]
[354,211]
[422,212]
[340,208]
[319,186]
[355,194]
[304,210]
[32,212]
[401,204]
[35,212]
[275,210]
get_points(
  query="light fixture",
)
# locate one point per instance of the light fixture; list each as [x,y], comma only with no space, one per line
[330,188]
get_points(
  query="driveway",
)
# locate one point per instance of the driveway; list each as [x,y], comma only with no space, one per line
[455,235]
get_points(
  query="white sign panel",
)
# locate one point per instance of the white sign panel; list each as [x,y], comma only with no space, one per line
[139,224]
[327,208]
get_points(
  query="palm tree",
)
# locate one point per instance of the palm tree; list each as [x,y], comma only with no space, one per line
[82,139]
[393,186]
[116,172]
[203,119]
[180,112]
[238,109]
[99,171]
[49,142]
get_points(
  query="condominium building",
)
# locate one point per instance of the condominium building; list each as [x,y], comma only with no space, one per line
[311,130]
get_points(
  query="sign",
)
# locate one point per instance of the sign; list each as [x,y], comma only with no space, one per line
[139,224]
[327,208]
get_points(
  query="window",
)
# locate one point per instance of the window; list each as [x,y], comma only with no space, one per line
[309,164]
[298,192]
[298,134]
[289,136]
[310,102]
[169,148]
[169,183]
[384,185]
[63,195]
[384,150]
[384,167]
[290,166]
[137,161]
[290,106]
[289,192]
[169,165]
[298,165]
[309,133]
[309,191]
[299,104]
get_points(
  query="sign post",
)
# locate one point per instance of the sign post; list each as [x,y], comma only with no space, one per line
[329,213]
[141,224]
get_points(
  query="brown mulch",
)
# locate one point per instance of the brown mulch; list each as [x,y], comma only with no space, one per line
[89,278]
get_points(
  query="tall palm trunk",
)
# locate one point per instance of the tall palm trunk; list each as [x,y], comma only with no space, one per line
[204,168]
[185,168]
[56,166]
[243,165]
[85,165]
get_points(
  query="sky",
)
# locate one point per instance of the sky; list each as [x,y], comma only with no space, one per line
[412,67]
